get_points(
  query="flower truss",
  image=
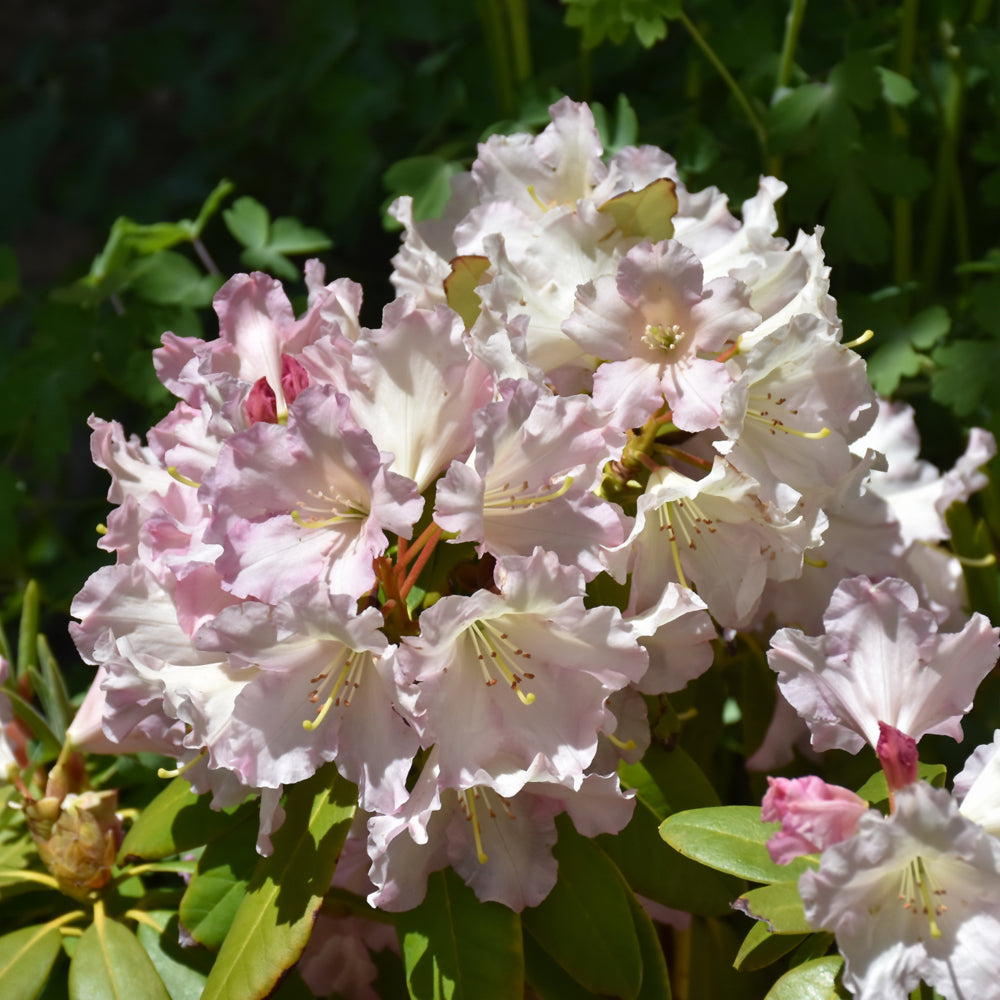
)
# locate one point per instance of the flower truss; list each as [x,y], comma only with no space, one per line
[389,548]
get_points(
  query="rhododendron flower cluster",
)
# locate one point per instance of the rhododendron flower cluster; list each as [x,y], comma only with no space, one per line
[390,548]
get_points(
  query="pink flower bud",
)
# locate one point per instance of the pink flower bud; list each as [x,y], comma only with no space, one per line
[813,816]
[898,755]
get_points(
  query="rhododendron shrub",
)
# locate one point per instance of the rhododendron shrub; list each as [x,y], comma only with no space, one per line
[420,593]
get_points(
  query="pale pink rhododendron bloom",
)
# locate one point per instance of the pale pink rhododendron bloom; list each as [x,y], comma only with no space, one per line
[912,897]
[814,815]
[977,786]
[881,659]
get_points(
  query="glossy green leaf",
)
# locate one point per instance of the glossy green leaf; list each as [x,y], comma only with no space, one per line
[249,222]
[459,948]
[275,919]
[815,980]
[647,213]
[731,839]
[177,820]
[26,958]
[183,970]
[37,725]
[219,885]
[779,906]
[761,948]
[585,922]
[110,964]
[876,789]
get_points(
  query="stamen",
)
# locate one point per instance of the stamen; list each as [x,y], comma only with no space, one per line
[349,666]
[626,745]
[337,507]
[916,881]
[863,339]
[183,480]
[666,524]
[177,772]
[775,425]
[666,338]
[534,197]
[467,801]
[504,497]
[496,650]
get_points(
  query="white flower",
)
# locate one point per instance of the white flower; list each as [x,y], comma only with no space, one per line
[912,896]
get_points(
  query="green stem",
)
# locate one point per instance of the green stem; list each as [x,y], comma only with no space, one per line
[491,18]
[731,83]
[945,167]
[902,208]
[793,24]
[520,39]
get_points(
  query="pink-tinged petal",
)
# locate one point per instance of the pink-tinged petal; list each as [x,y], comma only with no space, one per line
[813,816]
[977,786]
[910,897]
[881,660]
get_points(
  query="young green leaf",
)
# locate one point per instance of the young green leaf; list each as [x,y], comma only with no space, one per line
[248,221]
[778,906]
[273,923]
[458,947]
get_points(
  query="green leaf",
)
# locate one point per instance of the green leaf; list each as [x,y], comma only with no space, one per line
[655,870]
[426,179]
[779,906]
[183,970]
[249,222]
[37,725]
[169,278]
[815,980]
[266,259]
[275,919]
[150,239]
[730,839]
[220,192]
[897,343]
[655,978]
[876,789]
[176,821]
[896,89]
[460,286]
[26,959]
[585,922]
[647,213]
[57,707]
[965,374]
[27,640]
[219,884]
[548,978]
[110,964]
[290,236]
[761,948]
[668,781]
[792,113]
[459,948]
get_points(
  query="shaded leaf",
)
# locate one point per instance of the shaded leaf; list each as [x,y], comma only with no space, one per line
[176,821]
[457,947]
[585,922]
[183,970]
[966,372]
[896,88]
[761,948]
[426,179]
